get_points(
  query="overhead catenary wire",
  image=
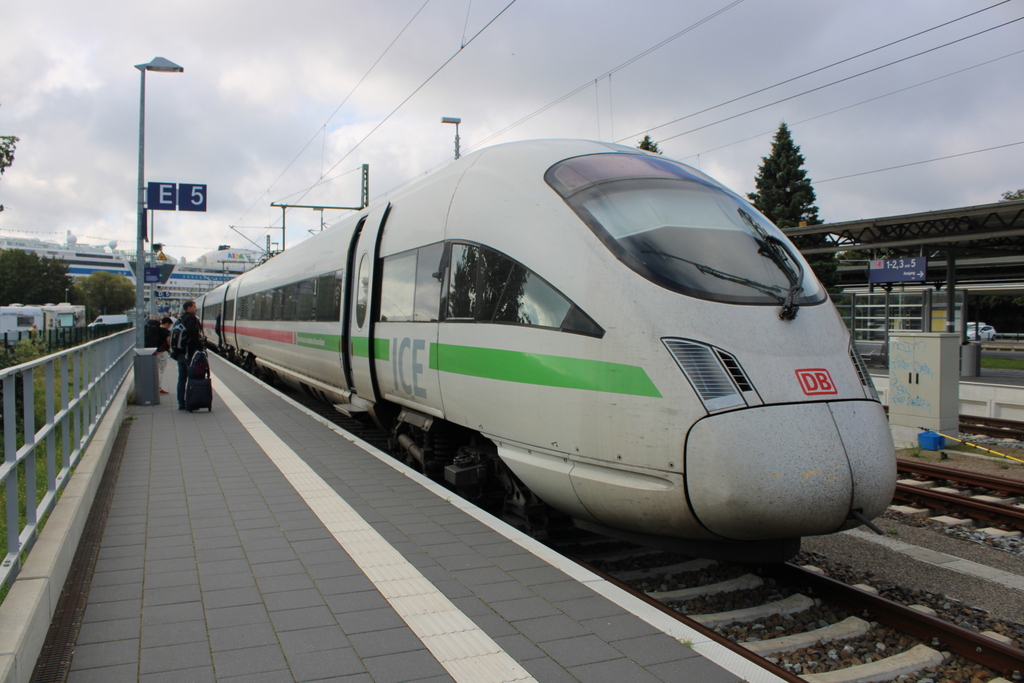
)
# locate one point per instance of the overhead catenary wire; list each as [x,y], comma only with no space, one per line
[918,163]
[793,124]
[842,80]
[817,70]
[323,128]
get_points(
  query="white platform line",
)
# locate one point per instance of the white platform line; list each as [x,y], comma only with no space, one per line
[459,645]
[731,661]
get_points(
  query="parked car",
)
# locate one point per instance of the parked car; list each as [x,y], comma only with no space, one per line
[976,331]
[109,320]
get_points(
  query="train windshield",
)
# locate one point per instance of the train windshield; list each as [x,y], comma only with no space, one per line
[684,231]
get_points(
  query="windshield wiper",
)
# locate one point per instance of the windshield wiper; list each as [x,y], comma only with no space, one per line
[773,291]
[776,250]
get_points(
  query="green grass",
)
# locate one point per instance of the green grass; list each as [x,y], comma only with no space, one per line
[1002,363]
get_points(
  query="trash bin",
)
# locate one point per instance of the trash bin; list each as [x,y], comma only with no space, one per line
[970,360]
[147,377]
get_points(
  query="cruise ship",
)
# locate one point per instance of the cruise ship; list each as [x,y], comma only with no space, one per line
[179,279]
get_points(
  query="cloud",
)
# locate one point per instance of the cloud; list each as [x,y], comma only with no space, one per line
[256,116]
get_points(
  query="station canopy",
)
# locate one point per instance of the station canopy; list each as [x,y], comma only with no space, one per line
[986,243]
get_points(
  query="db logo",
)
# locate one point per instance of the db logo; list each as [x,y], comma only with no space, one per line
[816,381]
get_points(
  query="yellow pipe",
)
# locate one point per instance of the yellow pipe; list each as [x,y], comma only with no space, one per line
[974,445]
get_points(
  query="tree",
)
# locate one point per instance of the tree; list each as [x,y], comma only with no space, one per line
[785,195]
[1014,195]
[27,278]
[7,145]
[104,293]
[649,145]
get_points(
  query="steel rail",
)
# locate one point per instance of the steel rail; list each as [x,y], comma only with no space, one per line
[996,513]
[992,426]
[1010,486]
[1005,659]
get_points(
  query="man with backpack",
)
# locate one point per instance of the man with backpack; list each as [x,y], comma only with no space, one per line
[186,339]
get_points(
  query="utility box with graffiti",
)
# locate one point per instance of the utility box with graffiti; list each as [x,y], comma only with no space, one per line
[924,384]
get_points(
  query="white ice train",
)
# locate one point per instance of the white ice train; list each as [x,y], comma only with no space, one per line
[587,326]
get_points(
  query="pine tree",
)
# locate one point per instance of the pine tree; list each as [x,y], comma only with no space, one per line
[785,195]
[649,145]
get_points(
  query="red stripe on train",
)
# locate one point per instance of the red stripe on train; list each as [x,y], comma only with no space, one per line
[283,336]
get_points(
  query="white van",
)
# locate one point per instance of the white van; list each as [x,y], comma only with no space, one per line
[109,320]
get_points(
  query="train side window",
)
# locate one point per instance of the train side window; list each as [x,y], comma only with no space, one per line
[462,284]
[398,287]
[428,282]
[304,299]
[328,297]
[363,293]
[487,286]
[229,310]
[290,302]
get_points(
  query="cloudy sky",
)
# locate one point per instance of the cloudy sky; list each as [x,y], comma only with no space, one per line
[284,101]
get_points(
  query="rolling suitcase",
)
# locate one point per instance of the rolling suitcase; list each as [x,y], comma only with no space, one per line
[198,388]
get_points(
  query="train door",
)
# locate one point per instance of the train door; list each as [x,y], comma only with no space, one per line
[362,308]
[222,325]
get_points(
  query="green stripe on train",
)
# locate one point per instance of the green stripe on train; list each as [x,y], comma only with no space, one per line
[324,342]
[361,348]
[543,370]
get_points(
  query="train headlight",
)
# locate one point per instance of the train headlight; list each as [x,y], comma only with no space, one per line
[715,375]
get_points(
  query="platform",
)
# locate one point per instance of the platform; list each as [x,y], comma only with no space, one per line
[260,543]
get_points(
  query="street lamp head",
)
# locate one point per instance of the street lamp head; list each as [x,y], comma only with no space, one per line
[450,119]
[160,64]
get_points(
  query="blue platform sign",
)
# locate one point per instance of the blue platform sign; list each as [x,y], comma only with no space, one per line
[191,197]
[899,270]
[162,196]
[152,274]
[176,197]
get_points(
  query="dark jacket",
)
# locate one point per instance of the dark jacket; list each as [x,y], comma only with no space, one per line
[192,334]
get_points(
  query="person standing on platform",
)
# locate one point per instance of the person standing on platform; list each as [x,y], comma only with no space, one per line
[190,340]
[163,348]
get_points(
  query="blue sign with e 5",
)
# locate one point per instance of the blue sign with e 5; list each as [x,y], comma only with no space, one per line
[176,197]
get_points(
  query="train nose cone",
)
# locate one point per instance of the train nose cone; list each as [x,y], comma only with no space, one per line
[789,470]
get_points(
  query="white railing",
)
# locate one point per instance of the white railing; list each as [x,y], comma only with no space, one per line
[68,393]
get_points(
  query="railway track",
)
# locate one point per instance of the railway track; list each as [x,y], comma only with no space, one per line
[805,626]
[962,495]
[991,426]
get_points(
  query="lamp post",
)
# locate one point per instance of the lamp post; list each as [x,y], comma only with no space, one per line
[158,64]
[456,121]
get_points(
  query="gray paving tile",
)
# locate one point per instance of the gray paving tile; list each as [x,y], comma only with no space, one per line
[324,664]
[693,669]
[171,595]
[178,633]
[249,661]
[369,620]
[222,617]
[124,673]
[616,671]
[198,675]
[232,597]
[106,611]
[588,649]
[174,657]
[298,619]
[649,650]
[106,654]
[619,627]
[241,637]
[405,666]
[105,631]
[308,640]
